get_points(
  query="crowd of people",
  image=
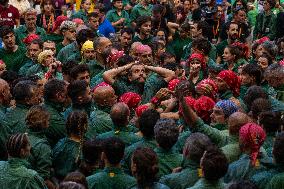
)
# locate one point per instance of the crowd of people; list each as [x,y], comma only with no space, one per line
[141,94]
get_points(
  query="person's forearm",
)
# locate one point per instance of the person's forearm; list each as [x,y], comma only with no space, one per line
[165,73]
[109,75]
[189,115]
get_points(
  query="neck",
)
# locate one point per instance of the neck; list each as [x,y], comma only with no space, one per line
[31,30]
[48,13]
[13,49]
[75,138]
[107,164]
[66,42]
[143,36]
[100,59]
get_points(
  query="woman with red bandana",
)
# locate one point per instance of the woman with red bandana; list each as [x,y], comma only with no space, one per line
[251,138]
[207,87]
[228,85]
[197,68]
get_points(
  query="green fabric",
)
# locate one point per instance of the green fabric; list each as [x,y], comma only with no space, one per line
[205,184]
[168,160]
[110,178]
[221,46]
[40,71]
[276,182]
[4,132]
[41,154]
[97,79]
[181,140]
[156,185]
[67,51]
[81,14]
[243,169]
[112,16]
[21,32]
[144,142]
[15,175]
[232,151]
[55,38]
[184,179]
[265,26]
[268,143]
[122,85]
[13,60]
[252,14]
[236,66]
[65,156]
[139,10]
[146,41]
[100,122]
[153,84]
[123,133]
[226,95]
[59,46]
[276,105]
[15,118]
[280,93]
[26,66]
[187,52]
[175,47]
[56,129]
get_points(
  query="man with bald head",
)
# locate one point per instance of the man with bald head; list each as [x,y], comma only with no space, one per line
[100,121]
[119,115]
[5,98]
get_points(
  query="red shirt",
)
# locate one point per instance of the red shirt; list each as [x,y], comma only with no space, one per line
[8,15]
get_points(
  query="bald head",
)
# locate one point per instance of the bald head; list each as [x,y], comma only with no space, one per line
[5,95]
[236,121]
[119,114]
[105,96]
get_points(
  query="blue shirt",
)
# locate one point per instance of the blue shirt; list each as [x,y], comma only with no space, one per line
[105,28]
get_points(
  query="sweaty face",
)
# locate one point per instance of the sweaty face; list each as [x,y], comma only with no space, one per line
[33,51]
[89,54]
[146,28]
[137,73]
[9,40]
[227,56]
[217,115]
[105,45]
[194,31]
[241,16]
[30,21]
[233,31]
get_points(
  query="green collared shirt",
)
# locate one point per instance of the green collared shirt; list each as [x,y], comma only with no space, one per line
[146,41]
[67,51]
[110,178]
[22,32]
[265,26]
[13,60]
[187,52]
[113,16]
[206,184]
[139,10]
[81,14]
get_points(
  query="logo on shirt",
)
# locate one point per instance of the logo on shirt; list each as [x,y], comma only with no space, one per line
[10,14]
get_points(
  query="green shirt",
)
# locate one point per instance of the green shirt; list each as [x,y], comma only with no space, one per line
[81,14]
[13,60]
[123,133]
[205,184]
[41,154]
[67,51]
[146,41]
[113,16]
[187,52]
[276,182]
[4,133]
[15,175]
[65,156]
[15,118]
[232,151]
[110,178]
[184,179]
[56,129]
[280,93]
[155,185]
[168,160]
[235,68]
[40,71]
[221,46]
[26,66]
[265,26]
[139,10]
[22,32]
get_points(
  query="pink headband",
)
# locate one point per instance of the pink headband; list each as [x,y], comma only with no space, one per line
[143,48]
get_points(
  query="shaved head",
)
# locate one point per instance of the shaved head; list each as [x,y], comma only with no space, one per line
[120,114]
[5,95]
[105,96]
[236,121]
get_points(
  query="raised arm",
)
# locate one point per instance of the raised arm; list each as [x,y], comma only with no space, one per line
[165,73]
[109,76]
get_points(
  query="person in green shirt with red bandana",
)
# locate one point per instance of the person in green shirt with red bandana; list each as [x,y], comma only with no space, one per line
[112,176]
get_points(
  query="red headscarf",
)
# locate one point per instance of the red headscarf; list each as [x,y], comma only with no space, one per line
[115,56]
[252,136]
[59,21]
[102,84]
[2,62]
[199,57]
[262,40]
[140,109]
[203,106]
[172,84]
[30,38]
[190,101]
[207,87]
[281,62]
[243,47]
[131,99]
[232,80]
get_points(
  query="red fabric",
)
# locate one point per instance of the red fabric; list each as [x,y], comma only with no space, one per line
[115,56]
[59,21]
[131,99]
[173,83]
[207,87]
[243,47]
[281,62]
[252,136]
[262,40]
[8,15]
[200,57]
[2,62]
[78,21]
[30,38]
[140,109]
[102,84]
[232,80]
[203,107]
[190,101]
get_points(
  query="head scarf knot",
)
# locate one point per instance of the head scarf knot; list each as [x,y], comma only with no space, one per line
[232,80]
[115,56]
[252,136]
[131,99]
[228,107]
